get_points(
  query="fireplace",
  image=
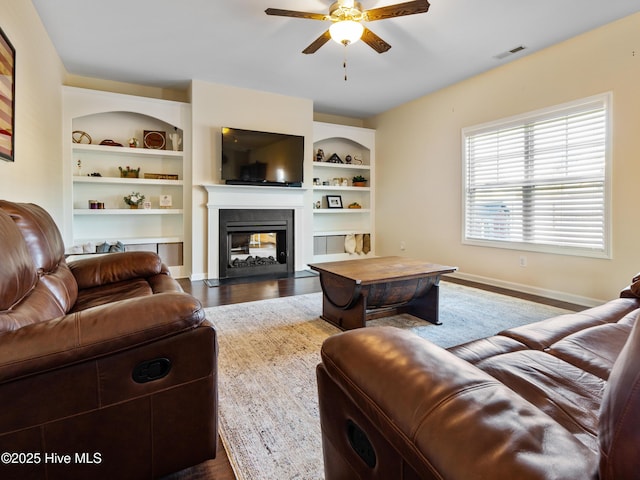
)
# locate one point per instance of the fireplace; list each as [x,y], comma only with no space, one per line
[255,242]
[222,197]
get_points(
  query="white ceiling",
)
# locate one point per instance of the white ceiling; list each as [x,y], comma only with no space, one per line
[165,43]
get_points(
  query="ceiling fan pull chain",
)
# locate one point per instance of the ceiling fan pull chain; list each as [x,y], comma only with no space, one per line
[344,62]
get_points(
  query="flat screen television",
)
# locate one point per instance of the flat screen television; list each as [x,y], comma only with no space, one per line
[262,158]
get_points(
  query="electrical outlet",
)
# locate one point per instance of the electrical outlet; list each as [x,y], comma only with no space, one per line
[403,245]
[523,261]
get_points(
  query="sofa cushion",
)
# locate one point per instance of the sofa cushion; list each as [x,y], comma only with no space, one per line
[564,392]
[477,350]
[619,430]
[541,335]
[594,349]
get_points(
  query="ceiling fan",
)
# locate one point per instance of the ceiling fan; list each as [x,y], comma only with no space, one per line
[347,16]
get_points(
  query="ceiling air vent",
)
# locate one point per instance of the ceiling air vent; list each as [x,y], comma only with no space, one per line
[502,55]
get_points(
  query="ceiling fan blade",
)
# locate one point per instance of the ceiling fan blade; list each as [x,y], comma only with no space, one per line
[317,43]
[293,13]
[374,41]
[398,10]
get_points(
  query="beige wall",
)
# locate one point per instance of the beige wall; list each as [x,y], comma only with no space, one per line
[338,119]
[36,174]
[215,106]
[418,194]
[126,88]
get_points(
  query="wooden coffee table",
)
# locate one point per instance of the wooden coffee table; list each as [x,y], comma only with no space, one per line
[354,291]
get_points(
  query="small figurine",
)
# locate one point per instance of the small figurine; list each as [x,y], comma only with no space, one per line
[335,158]
[175,139]
[320,155]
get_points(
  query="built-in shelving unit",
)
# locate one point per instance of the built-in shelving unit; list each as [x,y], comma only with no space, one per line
[94,173]
[332,225]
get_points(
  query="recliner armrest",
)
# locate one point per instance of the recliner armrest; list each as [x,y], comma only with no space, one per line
[445,416]
[115,267]
[96,332]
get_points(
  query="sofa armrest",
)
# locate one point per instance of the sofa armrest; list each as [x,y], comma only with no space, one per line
[96,332]
[115,267]
[632,290]
[447,418]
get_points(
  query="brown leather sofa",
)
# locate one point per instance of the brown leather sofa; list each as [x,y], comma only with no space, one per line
[557,399]
[107,368]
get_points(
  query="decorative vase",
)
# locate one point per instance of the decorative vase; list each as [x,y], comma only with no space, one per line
[135,207]
[359,184]
[130,174]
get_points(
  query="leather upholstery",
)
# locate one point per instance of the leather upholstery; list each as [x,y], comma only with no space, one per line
[105,355]
[620,415]
[556,399]
[46,248]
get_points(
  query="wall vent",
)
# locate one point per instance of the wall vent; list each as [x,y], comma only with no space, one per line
[515,50]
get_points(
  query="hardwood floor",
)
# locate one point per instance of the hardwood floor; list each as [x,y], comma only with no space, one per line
[249,292]
[220,468]
[285,287]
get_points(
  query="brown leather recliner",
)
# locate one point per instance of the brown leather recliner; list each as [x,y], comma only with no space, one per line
[107,368]
[556,399]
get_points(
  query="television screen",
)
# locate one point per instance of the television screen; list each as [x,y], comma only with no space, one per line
[250,157]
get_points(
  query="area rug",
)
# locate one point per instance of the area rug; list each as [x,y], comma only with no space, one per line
[268,410]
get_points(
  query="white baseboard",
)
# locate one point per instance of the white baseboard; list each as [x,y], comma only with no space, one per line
[542,292]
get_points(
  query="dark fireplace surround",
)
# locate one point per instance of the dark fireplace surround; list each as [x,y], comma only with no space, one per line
[235,228]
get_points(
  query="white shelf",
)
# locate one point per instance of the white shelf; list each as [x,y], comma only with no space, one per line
[82,147]
[332,233]
[345,166]
[132,240]
[124,181]
[127,211]
[340,188]
[341,210]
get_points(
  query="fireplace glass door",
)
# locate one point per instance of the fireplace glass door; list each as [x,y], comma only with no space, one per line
[249,249]
[255,242]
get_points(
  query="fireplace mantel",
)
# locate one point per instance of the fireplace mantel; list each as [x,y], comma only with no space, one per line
[221,197]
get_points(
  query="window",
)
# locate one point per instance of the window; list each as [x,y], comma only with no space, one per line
[540,181]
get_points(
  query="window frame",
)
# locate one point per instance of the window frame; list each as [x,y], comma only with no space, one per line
[556,111]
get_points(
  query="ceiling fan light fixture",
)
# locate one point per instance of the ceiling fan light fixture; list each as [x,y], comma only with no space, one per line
[346,32]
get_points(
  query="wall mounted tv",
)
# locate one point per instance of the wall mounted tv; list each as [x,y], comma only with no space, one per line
[261,158]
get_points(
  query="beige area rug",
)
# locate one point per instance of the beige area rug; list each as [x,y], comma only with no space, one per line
[269,350]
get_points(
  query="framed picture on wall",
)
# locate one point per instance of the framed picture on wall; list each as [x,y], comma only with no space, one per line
[7,97]
[334,201]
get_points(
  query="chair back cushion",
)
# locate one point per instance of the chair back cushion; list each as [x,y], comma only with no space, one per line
[45,246]
[18,277]
[17,273]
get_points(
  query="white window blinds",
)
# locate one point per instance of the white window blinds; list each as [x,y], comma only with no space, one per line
[540,181]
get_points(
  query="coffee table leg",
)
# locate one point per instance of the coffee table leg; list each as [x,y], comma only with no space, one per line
[345,319]
[426,307]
